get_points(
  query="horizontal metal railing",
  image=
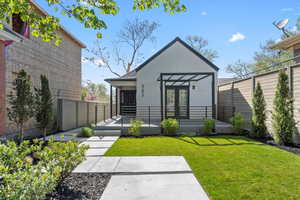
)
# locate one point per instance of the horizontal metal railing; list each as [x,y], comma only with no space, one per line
[152,115]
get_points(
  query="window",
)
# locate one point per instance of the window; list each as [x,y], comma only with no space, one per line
[17,24]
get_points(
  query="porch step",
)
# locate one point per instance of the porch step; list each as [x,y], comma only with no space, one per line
[107,132]
[107,127]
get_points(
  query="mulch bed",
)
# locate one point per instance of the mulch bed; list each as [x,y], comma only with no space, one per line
[83,186]
[292,149]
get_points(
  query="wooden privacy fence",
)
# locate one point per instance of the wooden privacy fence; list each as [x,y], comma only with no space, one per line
[238,94]
[74,114]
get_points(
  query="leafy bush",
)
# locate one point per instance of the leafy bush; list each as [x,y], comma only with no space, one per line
[238,123]
[86,132]
[209,126]
[170,126]
[135,128]
[31,171]
[92,126]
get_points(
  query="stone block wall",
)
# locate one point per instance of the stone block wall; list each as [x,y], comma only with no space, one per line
[62,66]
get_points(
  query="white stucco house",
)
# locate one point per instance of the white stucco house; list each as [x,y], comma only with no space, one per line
[176,82]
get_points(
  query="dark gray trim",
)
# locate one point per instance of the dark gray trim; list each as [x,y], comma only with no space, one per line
[119,79]
[177,39]
[161,99]
[213,97]
[117,93]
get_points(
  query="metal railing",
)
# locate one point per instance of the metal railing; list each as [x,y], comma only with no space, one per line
[152,115]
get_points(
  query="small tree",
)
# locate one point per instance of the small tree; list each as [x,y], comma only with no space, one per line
[21,103]
[283,116]
[43,105]
[258,113]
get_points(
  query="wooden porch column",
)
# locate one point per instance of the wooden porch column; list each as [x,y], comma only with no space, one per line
[2,88]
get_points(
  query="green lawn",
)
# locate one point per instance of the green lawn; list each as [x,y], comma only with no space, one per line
[228,167]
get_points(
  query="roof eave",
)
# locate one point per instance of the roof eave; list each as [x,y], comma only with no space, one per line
[117,79]
[6,34]
[287,43]
[177,39]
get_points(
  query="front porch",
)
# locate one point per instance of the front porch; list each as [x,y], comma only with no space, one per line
[153,127]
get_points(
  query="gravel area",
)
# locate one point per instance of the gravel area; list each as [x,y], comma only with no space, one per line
[83,186]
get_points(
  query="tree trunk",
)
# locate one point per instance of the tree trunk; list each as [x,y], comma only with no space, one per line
[45,133]
[21,132]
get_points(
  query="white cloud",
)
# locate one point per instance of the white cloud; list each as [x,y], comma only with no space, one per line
[237,36]
[203,13]
[287,9]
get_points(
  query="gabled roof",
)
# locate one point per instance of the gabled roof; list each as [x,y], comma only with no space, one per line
[177,39]
[132,74]
[81,44]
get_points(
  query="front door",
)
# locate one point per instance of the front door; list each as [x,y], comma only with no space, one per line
[177,102]
[128,102]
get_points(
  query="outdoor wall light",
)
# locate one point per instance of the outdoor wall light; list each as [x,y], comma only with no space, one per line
[193,87]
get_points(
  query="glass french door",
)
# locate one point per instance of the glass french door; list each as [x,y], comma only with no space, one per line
[177,102]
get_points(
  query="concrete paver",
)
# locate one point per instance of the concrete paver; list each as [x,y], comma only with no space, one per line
[96,152]
[154,187]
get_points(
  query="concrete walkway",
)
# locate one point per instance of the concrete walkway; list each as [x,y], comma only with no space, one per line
[98,145]
[146,177]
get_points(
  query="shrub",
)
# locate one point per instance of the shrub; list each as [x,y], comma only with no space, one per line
[43,106]
[209,126]
[259,128]
[31,171]
[170,126]
[238,123]
[86,132]
[92,126]
[135,128]
[283,117]
[20,101]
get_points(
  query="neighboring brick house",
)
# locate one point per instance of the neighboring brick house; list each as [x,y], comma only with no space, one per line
[62,64]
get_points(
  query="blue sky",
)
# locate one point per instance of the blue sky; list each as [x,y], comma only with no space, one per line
[248,23]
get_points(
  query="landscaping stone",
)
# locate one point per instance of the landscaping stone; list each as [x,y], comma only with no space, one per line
[81,187]
[154,187]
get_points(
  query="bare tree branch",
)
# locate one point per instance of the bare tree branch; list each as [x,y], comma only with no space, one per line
[132,36]
[200,44]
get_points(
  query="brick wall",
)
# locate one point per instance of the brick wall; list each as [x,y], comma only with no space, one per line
[62,66]
[2,89]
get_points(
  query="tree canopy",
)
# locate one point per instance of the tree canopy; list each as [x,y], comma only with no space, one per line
[200,44]
[87,12]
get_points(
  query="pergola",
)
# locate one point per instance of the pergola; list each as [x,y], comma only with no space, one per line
[183,79]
